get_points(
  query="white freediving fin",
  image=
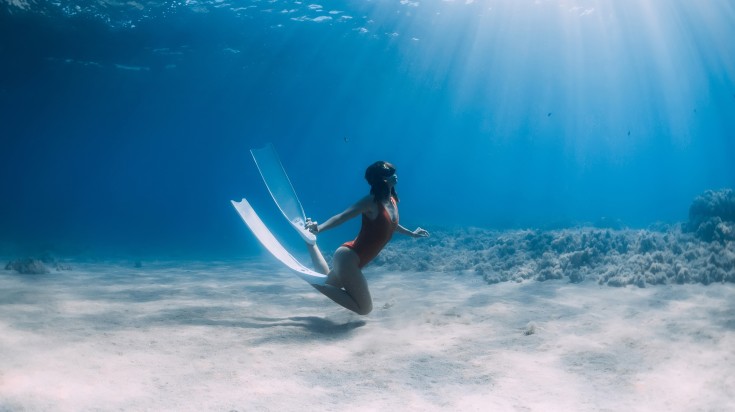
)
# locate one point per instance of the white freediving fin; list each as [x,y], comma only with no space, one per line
[281,189]
[266,238]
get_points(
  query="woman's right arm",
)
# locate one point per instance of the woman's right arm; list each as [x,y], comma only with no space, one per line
[358,208]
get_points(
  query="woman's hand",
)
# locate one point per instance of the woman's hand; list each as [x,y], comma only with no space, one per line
[311,226]
[420,233]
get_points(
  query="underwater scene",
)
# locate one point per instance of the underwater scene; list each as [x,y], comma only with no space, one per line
[564,172]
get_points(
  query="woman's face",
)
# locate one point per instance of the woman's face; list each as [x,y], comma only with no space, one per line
[391,180]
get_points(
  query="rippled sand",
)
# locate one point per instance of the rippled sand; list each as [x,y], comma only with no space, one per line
[249,336]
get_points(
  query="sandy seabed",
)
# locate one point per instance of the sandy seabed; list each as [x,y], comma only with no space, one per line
[251,336]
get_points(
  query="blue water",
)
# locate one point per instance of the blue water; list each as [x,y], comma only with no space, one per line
[126,127]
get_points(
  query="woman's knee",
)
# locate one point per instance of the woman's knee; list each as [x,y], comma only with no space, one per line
[365,308]
[348,273]
[363,298]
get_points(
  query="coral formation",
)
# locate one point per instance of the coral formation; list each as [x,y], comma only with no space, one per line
[36,266]
[712,216]
[616,258]
[703,252]
[27,266]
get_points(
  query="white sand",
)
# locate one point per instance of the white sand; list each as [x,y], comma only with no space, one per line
[249,336]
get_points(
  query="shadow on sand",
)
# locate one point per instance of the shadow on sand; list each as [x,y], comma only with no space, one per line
[312,324]
[227,318]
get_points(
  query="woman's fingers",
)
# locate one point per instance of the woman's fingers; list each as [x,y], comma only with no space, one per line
[311,225]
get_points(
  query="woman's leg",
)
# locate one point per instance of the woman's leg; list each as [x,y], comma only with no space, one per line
[346,274]
[318,259]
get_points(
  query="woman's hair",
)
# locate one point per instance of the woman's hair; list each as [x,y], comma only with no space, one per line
[375,176]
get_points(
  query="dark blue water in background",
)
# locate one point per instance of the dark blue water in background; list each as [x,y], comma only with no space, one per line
[126,128]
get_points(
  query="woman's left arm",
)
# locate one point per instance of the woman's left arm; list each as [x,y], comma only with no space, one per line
[416,233]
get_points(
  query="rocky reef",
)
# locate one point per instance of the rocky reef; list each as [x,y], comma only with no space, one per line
[27,266]
[701,250]
[36,266]
[712,216]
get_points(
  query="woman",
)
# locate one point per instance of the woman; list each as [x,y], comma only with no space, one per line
[345,283]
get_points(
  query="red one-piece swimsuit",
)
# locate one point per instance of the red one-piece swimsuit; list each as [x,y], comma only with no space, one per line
[374,234]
